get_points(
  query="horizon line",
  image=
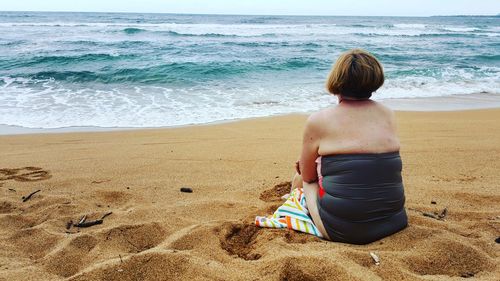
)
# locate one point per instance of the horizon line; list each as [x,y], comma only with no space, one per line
[226,14]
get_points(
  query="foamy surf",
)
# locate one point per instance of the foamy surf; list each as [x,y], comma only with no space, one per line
[108,70]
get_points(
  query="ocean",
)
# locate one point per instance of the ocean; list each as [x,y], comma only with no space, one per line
[160,70]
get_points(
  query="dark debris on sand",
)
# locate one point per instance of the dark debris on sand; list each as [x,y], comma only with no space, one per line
[186,189]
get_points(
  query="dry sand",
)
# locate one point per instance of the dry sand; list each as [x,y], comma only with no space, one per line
[158,233]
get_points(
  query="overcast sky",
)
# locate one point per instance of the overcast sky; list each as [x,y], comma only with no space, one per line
[266,7]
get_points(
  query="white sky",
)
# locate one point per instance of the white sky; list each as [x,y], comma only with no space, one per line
[266,7]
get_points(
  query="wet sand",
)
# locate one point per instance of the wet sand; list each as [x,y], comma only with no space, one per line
[155,232]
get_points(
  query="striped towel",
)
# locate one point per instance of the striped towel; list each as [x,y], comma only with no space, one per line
[293,214]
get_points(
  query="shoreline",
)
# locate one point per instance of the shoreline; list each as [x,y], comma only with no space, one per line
[479,101]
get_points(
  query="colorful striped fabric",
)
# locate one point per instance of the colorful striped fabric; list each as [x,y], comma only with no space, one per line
[293,214]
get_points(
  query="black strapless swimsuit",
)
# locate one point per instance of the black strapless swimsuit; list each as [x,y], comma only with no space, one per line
[361,196]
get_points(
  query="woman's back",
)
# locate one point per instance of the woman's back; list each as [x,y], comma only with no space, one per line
[357,127]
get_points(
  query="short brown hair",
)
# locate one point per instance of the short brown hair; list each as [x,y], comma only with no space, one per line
[355,74]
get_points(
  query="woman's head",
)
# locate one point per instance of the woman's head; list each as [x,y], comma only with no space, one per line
[355,75]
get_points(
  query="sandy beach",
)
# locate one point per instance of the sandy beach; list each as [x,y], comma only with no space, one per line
[156,232]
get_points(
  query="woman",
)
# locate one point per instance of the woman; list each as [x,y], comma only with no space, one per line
[350,166]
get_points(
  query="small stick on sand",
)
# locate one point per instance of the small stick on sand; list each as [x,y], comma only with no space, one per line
[12,189]
[105,215]
[434,215]
[375,258]
[26,198]
[102,181]
[430,215]
[84,223]
[82,219]
[89,223]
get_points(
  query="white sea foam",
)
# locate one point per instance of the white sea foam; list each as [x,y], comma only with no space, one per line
[54,106]
[251,30]
[159,77]
[460,28]
[410,25]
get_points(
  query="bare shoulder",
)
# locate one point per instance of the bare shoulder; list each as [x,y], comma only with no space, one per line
[389,112]
[316,121]
[381,106]
[315,117]
[389,115]
[320,117]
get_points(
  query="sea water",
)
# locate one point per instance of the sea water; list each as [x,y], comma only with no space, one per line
[155,70]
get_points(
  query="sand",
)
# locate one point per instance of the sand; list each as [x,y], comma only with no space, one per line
[237,171]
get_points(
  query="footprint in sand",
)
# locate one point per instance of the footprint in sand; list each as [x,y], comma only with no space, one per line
[238,239]
[294,237]
[306,268]
[132,238]
[112,197]
[275,193]
[10,221]
[27,242]
[190,237]
[24,174]
[72,257]
[452,258]
[150,266]
[6,207]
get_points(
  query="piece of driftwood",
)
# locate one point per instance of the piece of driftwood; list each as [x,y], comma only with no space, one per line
[89,223]
[187,189]
[375,258]
[434,215]
[26,198]
[105,215]
[430,215]
[101,181]
[84,223]
[467,274]
[82,219]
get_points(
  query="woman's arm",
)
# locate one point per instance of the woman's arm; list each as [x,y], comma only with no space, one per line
[310,146]
[311,193]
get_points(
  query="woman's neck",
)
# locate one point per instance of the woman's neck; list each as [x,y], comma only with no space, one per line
[350,100]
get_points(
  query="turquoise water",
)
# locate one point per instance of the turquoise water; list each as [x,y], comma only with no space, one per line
[151,70]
